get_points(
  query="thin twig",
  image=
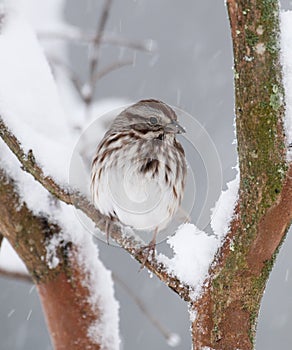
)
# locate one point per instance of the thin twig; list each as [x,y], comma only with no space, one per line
[80,37]
[16,275]
[110,68]
[129,243]
[56,61]
[25,277]
[138,301]
[94,60]
[99,33]
[147,45]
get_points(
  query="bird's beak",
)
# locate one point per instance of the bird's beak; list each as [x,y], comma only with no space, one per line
[174,128]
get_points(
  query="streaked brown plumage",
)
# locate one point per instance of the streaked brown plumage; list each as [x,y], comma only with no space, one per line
[139,169]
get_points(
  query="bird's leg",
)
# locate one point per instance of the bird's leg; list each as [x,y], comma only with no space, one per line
[149,249]
[184,215]
[107,229]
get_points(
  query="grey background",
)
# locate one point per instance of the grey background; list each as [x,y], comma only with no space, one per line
[192,70]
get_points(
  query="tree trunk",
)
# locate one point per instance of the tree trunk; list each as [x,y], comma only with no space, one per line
[227,311]
[68,312]
[63,294]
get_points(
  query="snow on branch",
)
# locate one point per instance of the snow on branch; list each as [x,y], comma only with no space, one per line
[31,166]
[286,54]
[31,108]
[76,199]
[194,250]
[36,131]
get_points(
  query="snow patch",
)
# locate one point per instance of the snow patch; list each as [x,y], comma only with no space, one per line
[51,251]
[192,314]
[223,211]
[41,14]
[99,281]
[193,252]
[260,48]
[37,118]
[31,107]
[286,57]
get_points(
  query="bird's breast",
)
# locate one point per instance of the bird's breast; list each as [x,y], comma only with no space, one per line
[139,185]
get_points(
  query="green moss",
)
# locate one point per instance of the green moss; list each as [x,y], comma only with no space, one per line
[251,38]
[268,9]
[261,150]
[258,287]
[262,161]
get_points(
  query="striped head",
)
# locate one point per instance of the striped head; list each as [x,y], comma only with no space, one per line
[150,119]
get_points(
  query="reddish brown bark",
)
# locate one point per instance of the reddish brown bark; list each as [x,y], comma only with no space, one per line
[64,297]
[233,330]
[272,228]
[228,308]
[68,313]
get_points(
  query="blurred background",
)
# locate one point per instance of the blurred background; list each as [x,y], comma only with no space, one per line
[186,62]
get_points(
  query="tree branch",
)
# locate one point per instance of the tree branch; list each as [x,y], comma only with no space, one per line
[110,68]
[138,301]
[20,276]
[28,234]
[56,61]
[99,33]
[30,165]
[107,38]
[96,47]
[25,277]
[228,308]
[132,246]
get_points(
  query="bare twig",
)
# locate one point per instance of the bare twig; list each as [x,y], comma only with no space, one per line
[25,277]
[80,37]
[86,91]
[110,68]
[147,45]
[56,61]
[138,301]
[99,32]
[71,74]
[96,48]
[165,333]
[16,275]
[129,243]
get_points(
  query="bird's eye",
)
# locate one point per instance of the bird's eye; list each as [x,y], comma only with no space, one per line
[153,120]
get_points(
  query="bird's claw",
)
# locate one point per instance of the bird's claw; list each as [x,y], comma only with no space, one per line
[147,252]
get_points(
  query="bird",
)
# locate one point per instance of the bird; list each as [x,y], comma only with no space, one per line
[139,169]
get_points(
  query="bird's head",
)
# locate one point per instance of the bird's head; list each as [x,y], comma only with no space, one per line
[149,118]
